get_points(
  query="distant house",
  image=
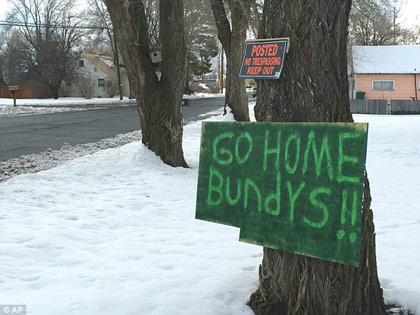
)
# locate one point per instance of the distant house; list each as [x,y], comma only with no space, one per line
[101,72]
[386,72]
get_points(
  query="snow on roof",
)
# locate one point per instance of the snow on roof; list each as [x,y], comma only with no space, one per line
[386,59]
[107,61]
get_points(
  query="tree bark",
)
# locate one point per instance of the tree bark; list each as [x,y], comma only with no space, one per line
[233,41]
[55,91]
[159,99]
[313,87]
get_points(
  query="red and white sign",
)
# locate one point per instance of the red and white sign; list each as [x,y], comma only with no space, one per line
[264,58]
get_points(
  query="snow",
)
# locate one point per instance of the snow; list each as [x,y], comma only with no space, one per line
[10,111]
[113,232]
[203,86]
[48,106]
[67,101]
[393,165]
[202,95]
[400,59]
[108,62]
[70,104]
[32,163]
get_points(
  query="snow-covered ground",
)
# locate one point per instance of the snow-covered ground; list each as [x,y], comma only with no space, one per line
[114,232]
[66,101]
[31,163]
[202,95]
[48,106]
[393,166]
[25,110]
[67,104]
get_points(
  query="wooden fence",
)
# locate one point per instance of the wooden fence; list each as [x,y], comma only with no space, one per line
[27,90]
[380,107]
[368,107]
[399,107]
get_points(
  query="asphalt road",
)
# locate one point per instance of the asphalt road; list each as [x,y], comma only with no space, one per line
[36,133]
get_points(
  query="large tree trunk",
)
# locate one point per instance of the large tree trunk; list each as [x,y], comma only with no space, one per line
[55,90]
[233,41]
[159,99]
[187,79]
[313,87]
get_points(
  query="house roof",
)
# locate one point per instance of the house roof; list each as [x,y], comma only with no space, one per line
[101,63]
[401,59]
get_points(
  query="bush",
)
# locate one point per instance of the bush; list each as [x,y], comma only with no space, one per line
[86,85]
[111,87]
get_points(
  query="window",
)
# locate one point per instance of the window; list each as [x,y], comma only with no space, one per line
[383,85]
[81,63]
[101,82]
[95,69]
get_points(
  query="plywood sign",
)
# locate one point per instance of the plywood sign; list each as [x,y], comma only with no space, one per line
[296,187]
[263,58]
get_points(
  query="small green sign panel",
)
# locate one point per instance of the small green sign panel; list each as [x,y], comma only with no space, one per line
[296,187]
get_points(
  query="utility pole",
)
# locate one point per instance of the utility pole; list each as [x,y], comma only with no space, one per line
[117,60]
[222,72]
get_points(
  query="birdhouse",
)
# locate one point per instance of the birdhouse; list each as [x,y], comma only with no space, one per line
[156,56]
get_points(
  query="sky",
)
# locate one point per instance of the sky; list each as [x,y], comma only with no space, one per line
[4,7]
[410,11]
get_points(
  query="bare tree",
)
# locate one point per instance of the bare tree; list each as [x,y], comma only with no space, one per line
[111,86]
[313,87]
[13,63]
[374,23]
[50,36]
[255,16]
[101,39]
[159,97]
[2,80]
[200,37]
[232,35]
[152,12]
[415,35]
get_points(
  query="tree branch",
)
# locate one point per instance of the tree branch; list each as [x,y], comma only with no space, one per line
[222,23]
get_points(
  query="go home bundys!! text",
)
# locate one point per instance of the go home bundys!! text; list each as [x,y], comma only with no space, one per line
[296,187]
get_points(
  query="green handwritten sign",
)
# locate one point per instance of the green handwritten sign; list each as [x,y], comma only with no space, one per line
[296,187]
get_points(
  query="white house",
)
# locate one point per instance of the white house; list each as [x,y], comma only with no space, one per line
[97,74]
